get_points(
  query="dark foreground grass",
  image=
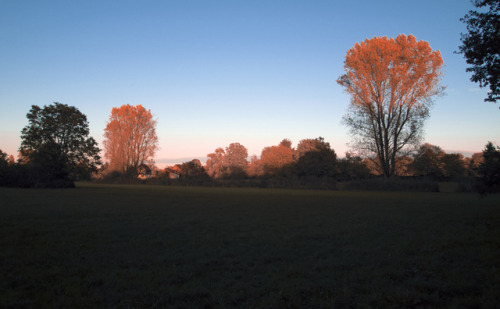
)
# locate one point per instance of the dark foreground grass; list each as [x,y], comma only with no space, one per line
[167,247]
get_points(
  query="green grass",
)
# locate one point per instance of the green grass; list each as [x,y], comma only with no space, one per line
[179,247]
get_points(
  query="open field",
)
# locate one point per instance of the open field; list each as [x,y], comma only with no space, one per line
[181,247]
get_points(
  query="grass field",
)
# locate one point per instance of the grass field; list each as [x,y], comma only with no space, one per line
[180,247]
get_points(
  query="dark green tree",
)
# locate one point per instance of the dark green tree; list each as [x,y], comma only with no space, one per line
[352,167]
[4,168]
[319,160]
[481,46]
[193,172]
[428,161]
[4,163]
[56,142]
[489,169]
[454,165]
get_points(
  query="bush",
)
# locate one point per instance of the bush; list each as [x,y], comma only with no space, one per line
[32,176]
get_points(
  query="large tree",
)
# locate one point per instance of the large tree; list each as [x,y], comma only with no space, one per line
[481,46]
[391,83]
[57,137]
[130,138]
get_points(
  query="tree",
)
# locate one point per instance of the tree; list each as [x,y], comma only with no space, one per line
[473,163]
[352,167]
[193,172]
[275,158]
[489,169]
[229,163]
[236,156]
[130,138]
[309,144]
[391,83]
[4,163]
[454,165]
[57,136]
[215,165]
[428,161]
[481,46]
[318,160]
[254,168]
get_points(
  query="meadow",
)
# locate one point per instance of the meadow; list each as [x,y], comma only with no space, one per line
[135,246]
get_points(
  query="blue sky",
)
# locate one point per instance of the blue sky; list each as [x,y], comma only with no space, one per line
[217,72]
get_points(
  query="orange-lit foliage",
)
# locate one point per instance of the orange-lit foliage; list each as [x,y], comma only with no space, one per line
[215,163]
[474,162]
[130,138]
[310,144]
[274,158]
[231,162]
[254,168]
[403,166]
[390,82]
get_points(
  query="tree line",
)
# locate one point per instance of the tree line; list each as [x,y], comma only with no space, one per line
[314,164]
[56,151]
[391,81]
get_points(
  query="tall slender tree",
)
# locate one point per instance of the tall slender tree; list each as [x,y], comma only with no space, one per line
[130,138]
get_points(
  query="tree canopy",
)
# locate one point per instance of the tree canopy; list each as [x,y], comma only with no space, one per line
[57,137]
[231,162]
[316,158]
[391,83]
[481,46]
[130,138]
[274,158]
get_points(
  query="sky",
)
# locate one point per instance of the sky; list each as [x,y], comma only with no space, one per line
[217,72]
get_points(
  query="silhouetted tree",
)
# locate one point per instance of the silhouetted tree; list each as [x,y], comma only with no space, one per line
[59,133]
[481,46]
[130,138]
[351,167]
[4,166]
[391,83]
[454,165]
[316,158]
[193,172]
[428,161]
[489,169]
[48,166]
[4,163]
